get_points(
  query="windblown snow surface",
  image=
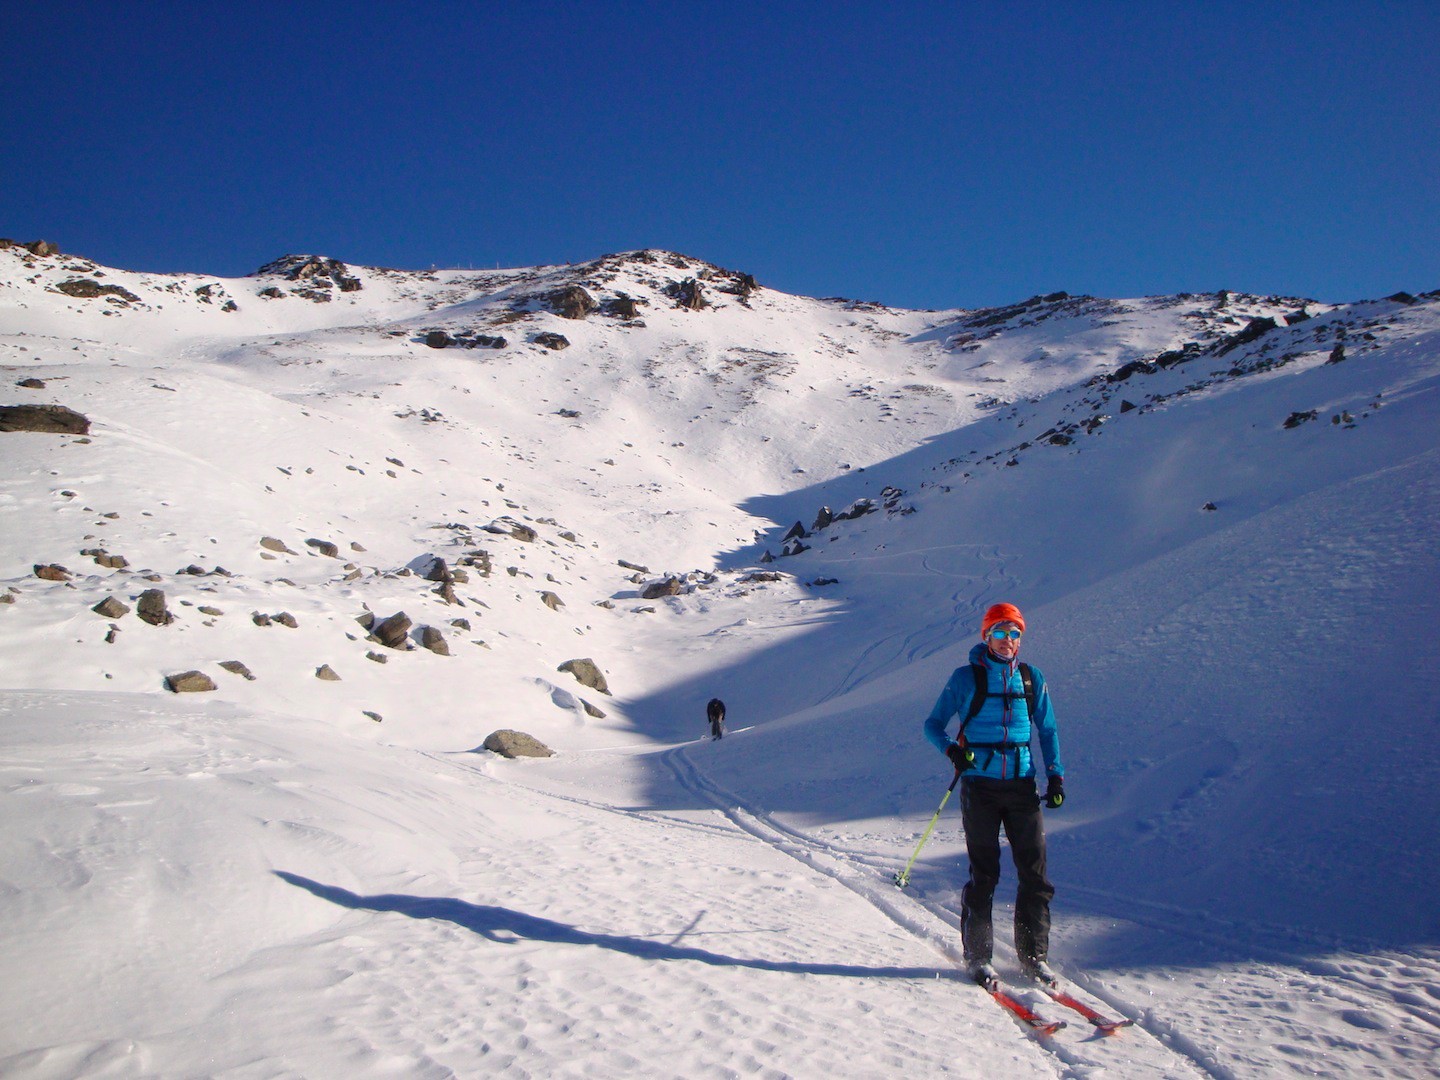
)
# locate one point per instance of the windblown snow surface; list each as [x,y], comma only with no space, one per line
[262,880]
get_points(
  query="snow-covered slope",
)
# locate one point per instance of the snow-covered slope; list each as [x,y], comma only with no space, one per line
[1217,511]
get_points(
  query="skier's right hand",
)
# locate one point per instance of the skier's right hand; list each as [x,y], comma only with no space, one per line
[961,757]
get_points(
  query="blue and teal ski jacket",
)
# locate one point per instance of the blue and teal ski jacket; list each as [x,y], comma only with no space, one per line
[1001,719]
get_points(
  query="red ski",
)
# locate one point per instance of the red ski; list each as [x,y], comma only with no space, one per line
[1021,1011]
[1102,1023]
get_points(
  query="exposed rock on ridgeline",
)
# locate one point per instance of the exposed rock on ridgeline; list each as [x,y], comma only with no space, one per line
[572,302]
[89,289]
[314,272]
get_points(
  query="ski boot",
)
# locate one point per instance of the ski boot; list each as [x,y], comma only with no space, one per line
[1040,971]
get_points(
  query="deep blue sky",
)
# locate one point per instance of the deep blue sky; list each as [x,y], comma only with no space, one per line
[926,154]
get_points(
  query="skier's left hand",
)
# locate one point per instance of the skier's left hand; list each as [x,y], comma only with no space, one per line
[1055,793]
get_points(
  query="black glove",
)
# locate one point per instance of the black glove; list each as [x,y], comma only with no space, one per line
[961,757]
[1055,793]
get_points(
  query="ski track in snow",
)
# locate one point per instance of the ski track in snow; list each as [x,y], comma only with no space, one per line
[1168,1053]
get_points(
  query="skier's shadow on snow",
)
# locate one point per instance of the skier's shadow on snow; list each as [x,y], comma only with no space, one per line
[505,926]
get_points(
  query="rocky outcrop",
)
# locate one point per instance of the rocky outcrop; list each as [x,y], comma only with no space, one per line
[689,295]
[56,419]
[554,342]
[89,289]
[314,271]
[572,302]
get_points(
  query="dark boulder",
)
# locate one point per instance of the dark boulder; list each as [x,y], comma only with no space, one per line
[671,586]
[151,608]
[555,342]
[393,632]
[56,419]
[432,639]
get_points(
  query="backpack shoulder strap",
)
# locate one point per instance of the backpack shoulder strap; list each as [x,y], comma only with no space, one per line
[978,695]
[1032,693]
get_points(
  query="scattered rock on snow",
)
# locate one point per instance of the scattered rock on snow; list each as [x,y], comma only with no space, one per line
[513,744]
[111,608]
[235,667]
[51,572]
[432,639]
[326,673]
[587,673]
[394,632]
[189,682]
[151,608]
[671,586]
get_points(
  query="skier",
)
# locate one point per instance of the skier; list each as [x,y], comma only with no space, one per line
[997,788]
[715,713]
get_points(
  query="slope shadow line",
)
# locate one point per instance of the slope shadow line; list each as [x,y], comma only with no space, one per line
[506,926]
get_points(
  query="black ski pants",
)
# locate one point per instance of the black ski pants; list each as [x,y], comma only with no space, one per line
[986,806]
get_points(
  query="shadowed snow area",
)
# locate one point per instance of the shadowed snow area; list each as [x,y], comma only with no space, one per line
[1217,511]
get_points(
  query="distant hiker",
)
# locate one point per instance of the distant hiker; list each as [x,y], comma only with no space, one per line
[715,713]
[991,752]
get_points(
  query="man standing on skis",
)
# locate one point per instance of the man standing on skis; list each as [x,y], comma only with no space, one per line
[991,752]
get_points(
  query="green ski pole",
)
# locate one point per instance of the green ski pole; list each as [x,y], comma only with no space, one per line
[903,877]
